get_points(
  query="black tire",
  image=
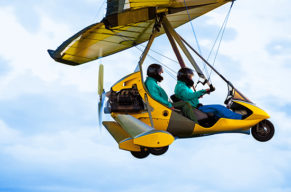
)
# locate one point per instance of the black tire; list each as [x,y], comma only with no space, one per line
[263,131]
[158,151]
[140,154]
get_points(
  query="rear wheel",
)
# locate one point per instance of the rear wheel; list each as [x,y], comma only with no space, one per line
[263,131]
[140,154]
[159,151]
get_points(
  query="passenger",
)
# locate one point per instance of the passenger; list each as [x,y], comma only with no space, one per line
[184,92]
[154,76]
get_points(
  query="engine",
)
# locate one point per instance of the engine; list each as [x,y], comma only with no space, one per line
[126,101]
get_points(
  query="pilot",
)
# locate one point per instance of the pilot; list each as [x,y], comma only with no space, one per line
[184,92]
[153,77]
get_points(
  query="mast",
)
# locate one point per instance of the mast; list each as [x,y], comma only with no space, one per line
[151,40]
[174,46]
[174,38]
[174,35]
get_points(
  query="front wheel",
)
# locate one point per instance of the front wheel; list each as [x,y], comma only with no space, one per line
[263,131]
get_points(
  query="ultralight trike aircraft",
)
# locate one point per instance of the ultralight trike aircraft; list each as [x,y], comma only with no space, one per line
[142,125]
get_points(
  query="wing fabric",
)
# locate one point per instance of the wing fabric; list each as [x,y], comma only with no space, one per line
[119,6]
[127,24]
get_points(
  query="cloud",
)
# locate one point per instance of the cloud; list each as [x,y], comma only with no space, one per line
[4,68]
[278,47]
[26,56]
[262,69]
[49,139]
[217,163]
[7,134]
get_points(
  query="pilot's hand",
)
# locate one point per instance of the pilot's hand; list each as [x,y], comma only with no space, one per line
[173,108]
[208,91]
[212,88]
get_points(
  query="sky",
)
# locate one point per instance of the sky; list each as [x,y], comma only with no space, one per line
[49,135]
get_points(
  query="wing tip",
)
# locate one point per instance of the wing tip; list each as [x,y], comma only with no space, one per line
[52,54]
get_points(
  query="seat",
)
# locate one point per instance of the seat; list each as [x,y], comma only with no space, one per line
[199,114]
[175,99]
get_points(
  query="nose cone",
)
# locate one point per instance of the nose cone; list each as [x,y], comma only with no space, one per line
[261,115]
[258,113]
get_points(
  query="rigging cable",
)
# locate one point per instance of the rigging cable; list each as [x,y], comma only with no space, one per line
[196,39]
[221,31]
[155,51]
[136,46]
[195,36]
[99,9]
[168,70]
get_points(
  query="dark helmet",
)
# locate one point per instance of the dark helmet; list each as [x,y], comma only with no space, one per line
[154,70]
[184,74]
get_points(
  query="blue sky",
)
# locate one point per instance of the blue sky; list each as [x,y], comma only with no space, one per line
[49,136]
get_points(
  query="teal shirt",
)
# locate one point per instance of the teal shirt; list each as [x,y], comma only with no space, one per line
[157,92]
[182,91]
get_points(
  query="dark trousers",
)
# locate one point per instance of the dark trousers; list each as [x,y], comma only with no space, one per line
[187,109]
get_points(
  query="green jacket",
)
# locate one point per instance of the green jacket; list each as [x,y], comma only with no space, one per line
[157,92]
[182,91]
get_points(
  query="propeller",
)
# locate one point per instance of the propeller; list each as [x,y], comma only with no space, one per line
[101,93]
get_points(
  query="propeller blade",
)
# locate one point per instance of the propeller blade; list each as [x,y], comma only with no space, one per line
[101,93]
[100,79]
[100,108]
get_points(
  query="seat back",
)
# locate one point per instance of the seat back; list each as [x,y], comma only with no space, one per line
[175,99]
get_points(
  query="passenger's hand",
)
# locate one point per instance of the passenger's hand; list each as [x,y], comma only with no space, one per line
[208,91]
[173,108]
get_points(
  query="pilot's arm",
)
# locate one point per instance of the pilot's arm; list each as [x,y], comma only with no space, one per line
[189,95]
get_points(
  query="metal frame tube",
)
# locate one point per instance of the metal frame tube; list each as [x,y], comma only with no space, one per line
[146,50]
[174,34]
[174,46]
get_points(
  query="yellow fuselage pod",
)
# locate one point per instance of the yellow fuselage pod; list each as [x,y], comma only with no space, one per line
[179,126]
[228,125]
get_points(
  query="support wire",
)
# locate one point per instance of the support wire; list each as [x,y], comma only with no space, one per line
[195,36]
[221,31]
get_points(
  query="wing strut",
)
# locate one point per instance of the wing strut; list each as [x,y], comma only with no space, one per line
[174,46]
[167,26]
[173,36]
[156,29]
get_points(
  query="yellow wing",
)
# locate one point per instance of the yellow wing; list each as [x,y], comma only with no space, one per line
[127,24]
